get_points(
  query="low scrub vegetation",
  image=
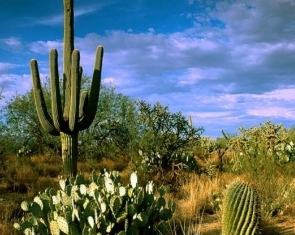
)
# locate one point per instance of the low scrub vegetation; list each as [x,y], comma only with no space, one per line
[161,147]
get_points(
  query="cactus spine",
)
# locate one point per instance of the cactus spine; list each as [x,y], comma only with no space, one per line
[241,210]
[75,112]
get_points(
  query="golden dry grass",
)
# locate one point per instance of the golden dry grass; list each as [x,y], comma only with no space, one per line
[198,198]
[200,194]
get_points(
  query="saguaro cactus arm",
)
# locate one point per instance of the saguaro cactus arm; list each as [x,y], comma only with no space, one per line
[91,108]
[56,104]
[75,90]
[41,107]
[83,104]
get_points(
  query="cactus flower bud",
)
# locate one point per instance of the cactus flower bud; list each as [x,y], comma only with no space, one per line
[133,179]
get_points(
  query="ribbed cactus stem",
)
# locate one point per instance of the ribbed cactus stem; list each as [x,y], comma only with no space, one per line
[92,99]
[69,145]
[67,53]
[75,112]
[75,91]
[56,104]
[241,210]
[41,107]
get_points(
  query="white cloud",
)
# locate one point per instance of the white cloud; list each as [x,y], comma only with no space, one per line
[13,84]
[11,43]
[41,47]
[5,67]
[112,81]
[279,95]
[235,65]
[78,12]
[274,111]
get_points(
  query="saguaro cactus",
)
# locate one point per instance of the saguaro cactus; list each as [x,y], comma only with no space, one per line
[71,112]
[241,212]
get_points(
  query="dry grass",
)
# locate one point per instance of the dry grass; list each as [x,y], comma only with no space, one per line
[200,194]
[10,211]
[50,166]
[117,164]
[198,198]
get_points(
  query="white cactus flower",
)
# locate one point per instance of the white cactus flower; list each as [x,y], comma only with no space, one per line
[133,179]
[83,189]
[62,184]
[103,207]
[91,189]
[55,200]
[122,191]
[90,221]
[109,184]
[149,187]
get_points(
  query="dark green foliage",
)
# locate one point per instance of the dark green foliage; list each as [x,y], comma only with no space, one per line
[166,138]
[22,128]
[114,130]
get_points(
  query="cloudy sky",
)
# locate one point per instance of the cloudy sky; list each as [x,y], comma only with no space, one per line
[225,63]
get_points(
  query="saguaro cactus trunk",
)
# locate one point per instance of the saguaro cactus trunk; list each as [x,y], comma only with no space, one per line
[74,110]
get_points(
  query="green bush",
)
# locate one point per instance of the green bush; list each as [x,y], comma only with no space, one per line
[264,155]
[165,138]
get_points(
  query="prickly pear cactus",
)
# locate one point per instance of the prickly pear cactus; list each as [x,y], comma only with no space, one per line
[241,210]
[103,206]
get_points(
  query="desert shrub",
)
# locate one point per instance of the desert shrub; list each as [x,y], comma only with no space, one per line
[165,138]
[265,156]
[20,175]
[9,213]
[46,165]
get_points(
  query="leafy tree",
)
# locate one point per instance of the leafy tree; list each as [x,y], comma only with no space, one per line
[22,124]
[2,130]
[110,134]
[291,133]
[165,138]
[114,129]
[122,126]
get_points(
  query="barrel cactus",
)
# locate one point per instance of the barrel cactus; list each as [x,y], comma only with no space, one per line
[73,110]
[241,210]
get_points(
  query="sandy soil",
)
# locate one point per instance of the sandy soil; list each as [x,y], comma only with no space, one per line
[282,225]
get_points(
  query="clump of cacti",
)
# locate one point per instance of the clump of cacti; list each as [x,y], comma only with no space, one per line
[72,111]
[241,210]
[103,206]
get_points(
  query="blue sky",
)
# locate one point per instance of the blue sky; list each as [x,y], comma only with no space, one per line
[225,63]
